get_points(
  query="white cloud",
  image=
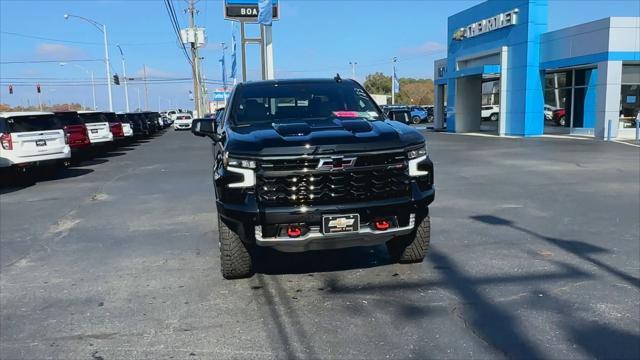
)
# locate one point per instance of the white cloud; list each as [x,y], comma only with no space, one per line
[59,52]
[430,47]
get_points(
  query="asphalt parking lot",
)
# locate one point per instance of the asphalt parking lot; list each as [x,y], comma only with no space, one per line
[535,254]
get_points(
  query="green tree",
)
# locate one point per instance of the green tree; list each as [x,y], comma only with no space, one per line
[378,83]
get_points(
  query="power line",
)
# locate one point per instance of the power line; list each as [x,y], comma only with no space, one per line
[80,42]
[47,61]
[175,24]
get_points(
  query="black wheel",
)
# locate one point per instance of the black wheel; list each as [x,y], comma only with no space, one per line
[494,117]
[416,120]
[411,248]
[430,119]
[235,256]
[562,121]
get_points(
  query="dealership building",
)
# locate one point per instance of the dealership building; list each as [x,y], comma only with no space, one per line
[502,60]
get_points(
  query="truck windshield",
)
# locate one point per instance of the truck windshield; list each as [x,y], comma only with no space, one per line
[295,102]
[33,123]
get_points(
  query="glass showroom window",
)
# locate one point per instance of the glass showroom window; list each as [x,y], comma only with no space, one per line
[630,95]
[491,93]
[570,96]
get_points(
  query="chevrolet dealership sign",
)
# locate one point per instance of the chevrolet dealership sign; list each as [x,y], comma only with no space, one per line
[487,25]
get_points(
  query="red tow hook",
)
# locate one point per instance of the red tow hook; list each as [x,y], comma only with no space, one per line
[294,231]
[382,225]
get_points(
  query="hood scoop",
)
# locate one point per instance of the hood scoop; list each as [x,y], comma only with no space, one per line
[356,126]
[295,129]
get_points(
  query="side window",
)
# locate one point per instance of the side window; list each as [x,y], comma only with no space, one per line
[3,125]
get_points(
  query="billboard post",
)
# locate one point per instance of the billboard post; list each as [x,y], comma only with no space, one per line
[246,12]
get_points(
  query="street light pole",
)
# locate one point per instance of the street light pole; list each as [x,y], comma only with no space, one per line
[126,86]
[353,69]
[103,29]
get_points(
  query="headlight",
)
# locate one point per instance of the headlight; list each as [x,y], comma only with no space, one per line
[243,167]
[229,161]
[416,153]
[416,156]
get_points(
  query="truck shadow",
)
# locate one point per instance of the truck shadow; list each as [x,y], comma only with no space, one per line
[273,262]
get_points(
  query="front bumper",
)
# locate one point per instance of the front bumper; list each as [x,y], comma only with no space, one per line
[255,223]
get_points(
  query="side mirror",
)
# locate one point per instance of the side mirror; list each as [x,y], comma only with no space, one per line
[205,127]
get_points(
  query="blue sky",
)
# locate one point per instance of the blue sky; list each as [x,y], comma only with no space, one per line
[314,38]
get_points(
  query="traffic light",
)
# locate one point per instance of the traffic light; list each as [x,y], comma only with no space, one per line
[38,88]
[116,79]
[10,89]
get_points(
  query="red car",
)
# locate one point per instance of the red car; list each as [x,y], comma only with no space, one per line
[116,130]
[560,117]
[75,130]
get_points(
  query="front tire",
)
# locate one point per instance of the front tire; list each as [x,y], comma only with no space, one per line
[235,257]
[412,248]
[494,117]
[416,120]
[563,121]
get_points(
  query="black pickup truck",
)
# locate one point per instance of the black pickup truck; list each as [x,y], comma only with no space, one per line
[314,164]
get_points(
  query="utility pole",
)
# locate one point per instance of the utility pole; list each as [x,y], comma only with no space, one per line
[146,90]
[353,69]
[393,82]
[139,105]
[126,86]
[195,59]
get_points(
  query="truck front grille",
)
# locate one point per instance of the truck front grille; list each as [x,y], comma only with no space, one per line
[384,178]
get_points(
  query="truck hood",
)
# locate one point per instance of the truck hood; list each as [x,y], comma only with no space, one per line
[316,137]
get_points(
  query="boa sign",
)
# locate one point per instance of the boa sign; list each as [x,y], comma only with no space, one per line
[247,10]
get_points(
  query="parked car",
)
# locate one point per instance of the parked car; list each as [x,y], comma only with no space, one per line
[127,127]
[76,132]
[419,114]
[548,112]
[151,120]
[330,173]
[401,114]
[98,127]
[32,139]
[490,112]
[182,122]
[117,130]
[560,117]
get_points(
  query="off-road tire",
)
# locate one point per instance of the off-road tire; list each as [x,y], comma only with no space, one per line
[411,248]
[235,256]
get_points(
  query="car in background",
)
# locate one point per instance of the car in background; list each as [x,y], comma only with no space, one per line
[32,139]
[127,128]
[115,127]
[76,132]
[559,117]
[401,114]
[182,122]
[490,112]
[419,114]
[548,112]
[98,127]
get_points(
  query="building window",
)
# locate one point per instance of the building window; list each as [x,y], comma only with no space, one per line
[630,95]
[569,98]
[491,93]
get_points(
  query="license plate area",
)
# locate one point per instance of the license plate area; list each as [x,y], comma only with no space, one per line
[94,131]
[41,142]
[334,224]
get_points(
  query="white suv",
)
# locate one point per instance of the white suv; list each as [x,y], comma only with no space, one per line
[97,124]
[182,121]
[491,112]
[32,138]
